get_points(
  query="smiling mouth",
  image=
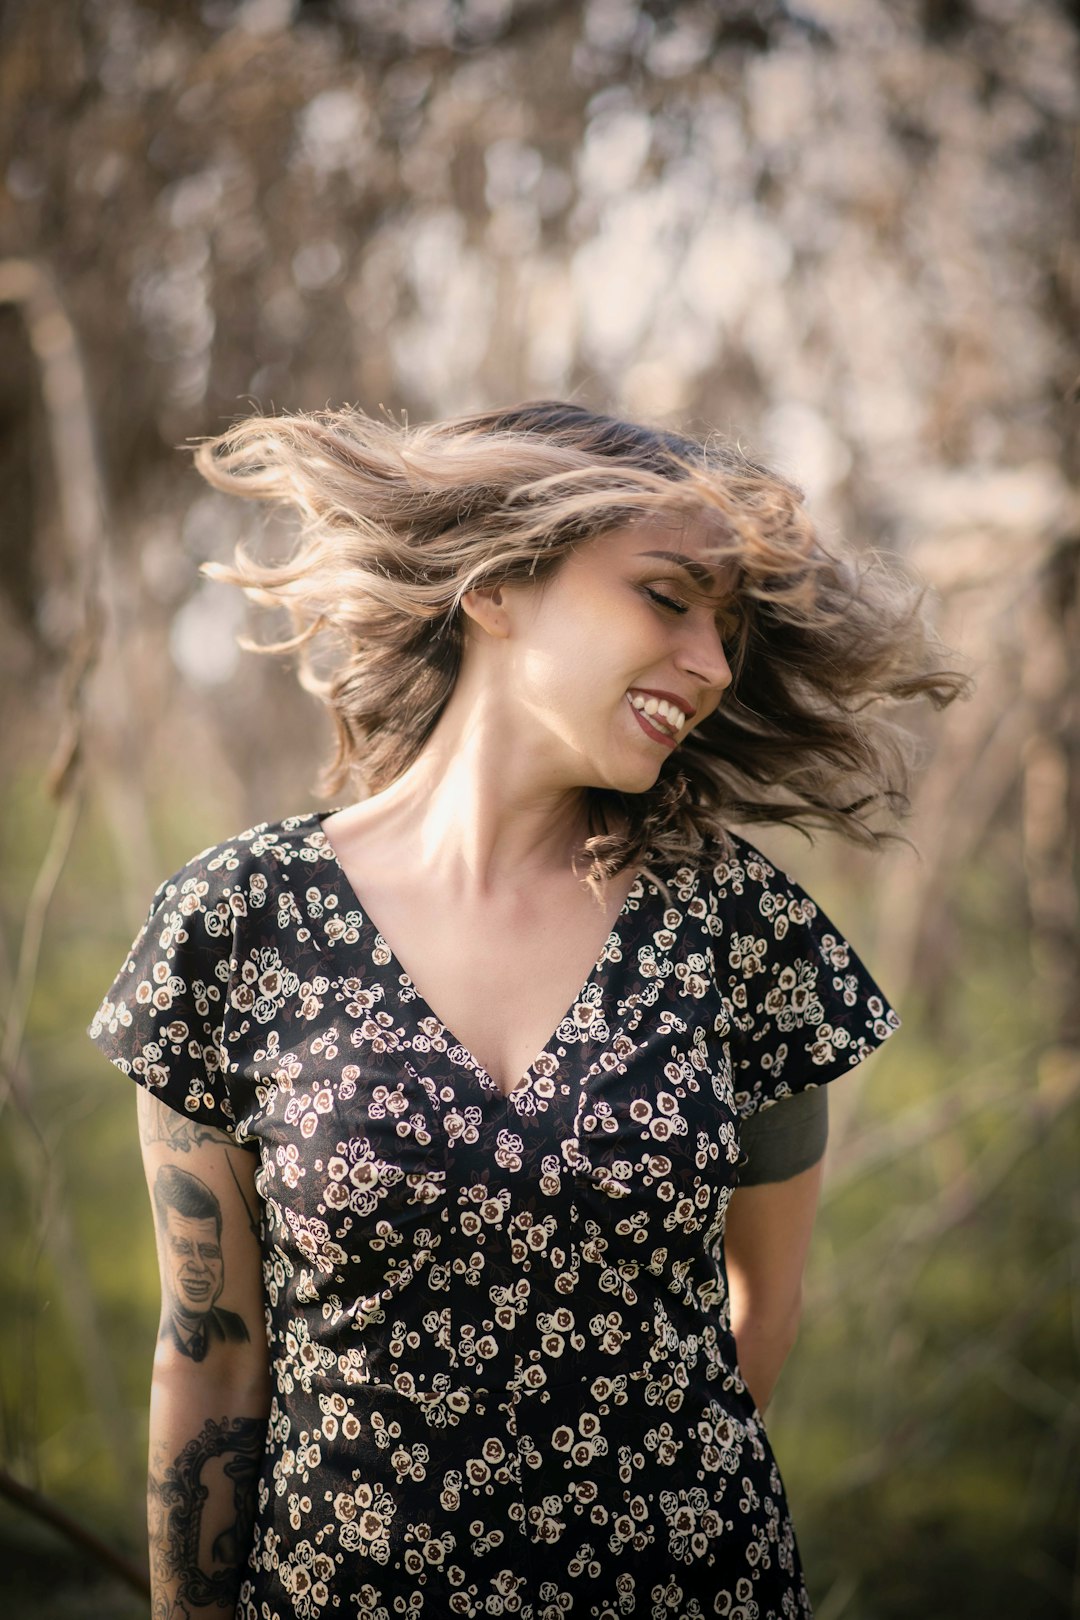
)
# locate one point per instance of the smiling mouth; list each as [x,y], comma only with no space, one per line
[662,711]
[653,726]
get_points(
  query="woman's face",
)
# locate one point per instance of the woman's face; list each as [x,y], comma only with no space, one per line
[617,635]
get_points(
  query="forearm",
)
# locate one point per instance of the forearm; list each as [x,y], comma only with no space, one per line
[762,1343]
[766,1239]
[206,1446]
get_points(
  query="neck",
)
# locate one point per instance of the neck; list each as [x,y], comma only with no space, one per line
[475,836]
[481,812]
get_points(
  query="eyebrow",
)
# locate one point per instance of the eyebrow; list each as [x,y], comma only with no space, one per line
[696,570]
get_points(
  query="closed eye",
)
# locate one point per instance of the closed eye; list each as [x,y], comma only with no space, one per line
[676,607]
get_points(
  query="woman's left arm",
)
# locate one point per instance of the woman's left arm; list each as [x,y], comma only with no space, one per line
[766,1242]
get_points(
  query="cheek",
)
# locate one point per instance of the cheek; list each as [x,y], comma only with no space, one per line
[594,649]
[568,679]
[583,694]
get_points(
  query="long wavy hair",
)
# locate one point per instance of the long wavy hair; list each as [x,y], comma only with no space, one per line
[397,522]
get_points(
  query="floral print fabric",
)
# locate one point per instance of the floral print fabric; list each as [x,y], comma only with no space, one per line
[505,1379]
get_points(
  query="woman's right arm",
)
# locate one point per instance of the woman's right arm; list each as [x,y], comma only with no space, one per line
[211,1382]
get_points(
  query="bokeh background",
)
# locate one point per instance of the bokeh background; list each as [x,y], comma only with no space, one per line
[840,231]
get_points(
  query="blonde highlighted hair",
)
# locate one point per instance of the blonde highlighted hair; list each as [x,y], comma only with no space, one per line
[398,522]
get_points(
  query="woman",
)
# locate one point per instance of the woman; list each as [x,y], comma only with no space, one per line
[462,1311]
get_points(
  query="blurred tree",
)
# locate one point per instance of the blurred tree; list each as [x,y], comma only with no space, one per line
[844,232]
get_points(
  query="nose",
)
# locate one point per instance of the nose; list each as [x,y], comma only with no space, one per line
[702,656]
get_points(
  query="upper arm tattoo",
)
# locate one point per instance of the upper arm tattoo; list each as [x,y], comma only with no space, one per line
[162,1126]
[192,1265]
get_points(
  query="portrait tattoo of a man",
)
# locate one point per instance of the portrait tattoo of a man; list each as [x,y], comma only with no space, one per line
[189,1221]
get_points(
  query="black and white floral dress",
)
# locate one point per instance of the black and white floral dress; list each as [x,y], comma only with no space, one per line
[505,1380]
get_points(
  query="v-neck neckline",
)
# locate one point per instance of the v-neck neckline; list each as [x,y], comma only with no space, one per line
[524,1083]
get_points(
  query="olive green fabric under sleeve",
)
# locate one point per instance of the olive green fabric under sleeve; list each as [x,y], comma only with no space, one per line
[785,1139]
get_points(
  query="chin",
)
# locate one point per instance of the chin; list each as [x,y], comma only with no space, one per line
[630,771]
[639,779]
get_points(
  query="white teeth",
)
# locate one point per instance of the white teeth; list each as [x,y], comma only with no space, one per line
[659,709]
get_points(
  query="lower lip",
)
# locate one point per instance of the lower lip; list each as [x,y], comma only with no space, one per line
[651,730]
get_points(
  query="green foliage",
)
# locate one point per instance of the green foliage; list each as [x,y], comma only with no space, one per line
[927,1422]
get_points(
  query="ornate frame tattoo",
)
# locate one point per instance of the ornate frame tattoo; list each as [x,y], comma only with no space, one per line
[183,1495]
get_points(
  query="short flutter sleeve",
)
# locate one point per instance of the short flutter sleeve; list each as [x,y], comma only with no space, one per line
[800,1006]
[162,1019]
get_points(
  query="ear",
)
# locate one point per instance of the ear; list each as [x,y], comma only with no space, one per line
[486,606]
